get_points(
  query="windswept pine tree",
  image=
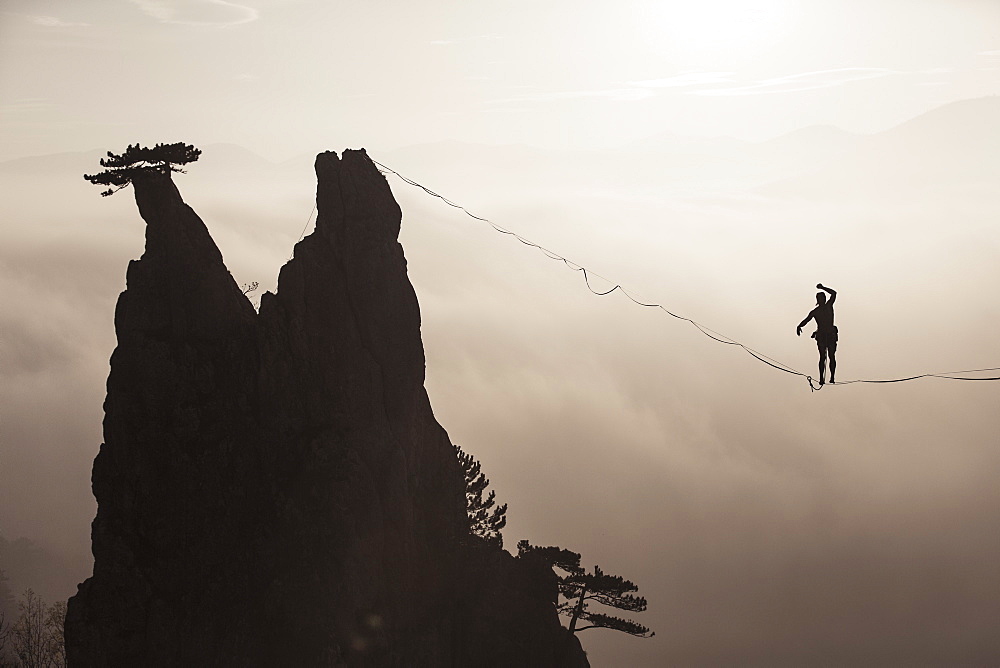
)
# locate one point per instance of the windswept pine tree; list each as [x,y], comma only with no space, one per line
[486,519]
[580,589]
[162,158]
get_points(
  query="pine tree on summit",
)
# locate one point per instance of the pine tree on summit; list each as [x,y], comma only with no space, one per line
[580,588]
[162,159]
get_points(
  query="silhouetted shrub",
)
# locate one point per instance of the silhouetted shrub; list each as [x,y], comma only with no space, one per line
[486,519]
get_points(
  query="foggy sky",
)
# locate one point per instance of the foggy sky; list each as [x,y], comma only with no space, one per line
[766,525]
[282,77]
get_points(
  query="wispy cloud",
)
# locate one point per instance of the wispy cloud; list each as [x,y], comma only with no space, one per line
[212,13]
[687,80]
[802,81]
[462,40]
[28,105]
[722,84]
[622,94]
[54,22]
[507,110]
[995,52]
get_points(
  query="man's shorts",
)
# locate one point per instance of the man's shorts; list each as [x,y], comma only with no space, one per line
[826,339]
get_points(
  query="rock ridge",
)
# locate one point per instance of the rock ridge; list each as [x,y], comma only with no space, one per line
[273,487]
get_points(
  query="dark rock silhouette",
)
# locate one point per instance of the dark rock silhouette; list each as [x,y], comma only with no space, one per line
[273,488]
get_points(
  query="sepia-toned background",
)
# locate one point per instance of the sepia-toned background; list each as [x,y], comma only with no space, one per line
[718,157]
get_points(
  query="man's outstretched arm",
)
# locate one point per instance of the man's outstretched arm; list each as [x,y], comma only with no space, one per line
[833,293]
[798,330]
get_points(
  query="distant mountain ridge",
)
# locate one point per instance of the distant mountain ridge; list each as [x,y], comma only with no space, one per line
[956,145]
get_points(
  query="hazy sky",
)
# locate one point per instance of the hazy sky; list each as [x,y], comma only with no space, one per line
[286,76]
[766,525]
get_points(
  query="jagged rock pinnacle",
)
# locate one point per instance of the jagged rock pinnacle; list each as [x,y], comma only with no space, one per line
[273,488]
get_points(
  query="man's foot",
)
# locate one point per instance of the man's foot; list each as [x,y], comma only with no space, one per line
[833,382]
[821,381]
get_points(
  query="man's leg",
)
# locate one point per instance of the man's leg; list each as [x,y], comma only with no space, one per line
[822,363]
[833,363]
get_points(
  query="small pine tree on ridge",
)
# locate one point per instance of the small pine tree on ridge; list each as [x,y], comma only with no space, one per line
[581,588]
[162,159]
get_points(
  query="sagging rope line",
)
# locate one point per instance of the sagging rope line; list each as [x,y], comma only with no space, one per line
[302,233]
[944,374]
[710,333]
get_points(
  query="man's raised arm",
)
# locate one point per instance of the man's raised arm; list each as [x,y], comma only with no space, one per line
[833,293]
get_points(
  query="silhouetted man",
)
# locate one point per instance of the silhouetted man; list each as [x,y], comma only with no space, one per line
[826,331]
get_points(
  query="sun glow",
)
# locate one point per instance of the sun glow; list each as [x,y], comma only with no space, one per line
[723,29]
